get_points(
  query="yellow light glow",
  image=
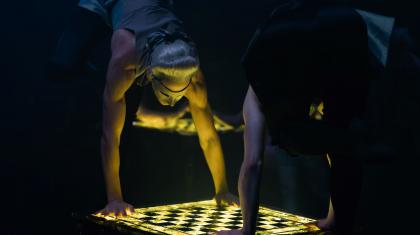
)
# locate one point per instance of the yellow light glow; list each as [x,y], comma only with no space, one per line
[185,126]
[205,217]
[316,111]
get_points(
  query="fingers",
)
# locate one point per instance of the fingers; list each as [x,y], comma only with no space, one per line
[121,214]
[108,214]
[104,212]
[100,212]
[233,201]
[236,202]
[119,211]
[227,200]
[218,200]
[129,210]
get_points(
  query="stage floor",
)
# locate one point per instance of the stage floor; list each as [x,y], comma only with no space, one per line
[203,217]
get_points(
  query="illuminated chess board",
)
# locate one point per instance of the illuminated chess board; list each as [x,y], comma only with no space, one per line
[204,217]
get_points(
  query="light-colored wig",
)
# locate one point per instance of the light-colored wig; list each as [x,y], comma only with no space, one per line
[176,60]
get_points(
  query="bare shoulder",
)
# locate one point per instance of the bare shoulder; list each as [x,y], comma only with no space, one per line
[197,92]
[121,68]
[123,46]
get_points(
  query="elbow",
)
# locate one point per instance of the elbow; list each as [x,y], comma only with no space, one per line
[252,166]
[109,141]
[107,97]
[208,143]
[110,96]
[119,62]
[250,174]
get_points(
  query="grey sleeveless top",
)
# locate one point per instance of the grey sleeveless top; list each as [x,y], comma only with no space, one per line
[142,17]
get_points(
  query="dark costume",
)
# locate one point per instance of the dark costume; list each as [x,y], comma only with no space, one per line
[309,53]
[314,52]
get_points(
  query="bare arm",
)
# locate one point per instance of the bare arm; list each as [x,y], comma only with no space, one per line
[120,76]
[209,140]
[249,178]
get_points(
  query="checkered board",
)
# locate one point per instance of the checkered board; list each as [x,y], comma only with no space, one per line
[205,217]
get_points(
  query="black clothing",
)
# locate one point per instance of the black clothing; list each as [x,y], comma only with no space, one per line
[307,54]
[311,54]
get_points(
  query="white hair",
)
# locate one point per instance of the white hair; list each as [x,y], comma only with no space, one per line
[176,60]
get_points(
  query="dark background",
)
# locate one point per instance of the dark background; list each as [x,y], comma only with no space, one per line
[50,162]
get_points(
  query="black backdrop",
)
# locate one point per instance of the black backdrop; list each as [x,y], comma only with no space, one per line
[50,164]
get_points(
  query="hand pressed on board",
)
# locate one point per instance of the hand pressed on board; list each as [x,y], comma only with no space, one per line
[226,199]
[116,208]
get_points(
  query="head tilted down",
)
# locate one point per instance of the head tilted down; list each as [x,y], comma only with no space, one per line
[172,66]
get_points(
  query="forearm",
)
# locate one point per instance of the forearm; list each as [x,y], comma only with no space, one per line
[250,175]
[113,122]
[248,187]
[209,140]
[110,165]
[215,160]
